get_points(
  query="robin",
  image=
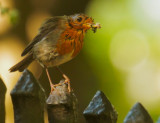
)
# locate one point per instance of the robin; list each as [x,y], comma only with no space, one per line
[59,40]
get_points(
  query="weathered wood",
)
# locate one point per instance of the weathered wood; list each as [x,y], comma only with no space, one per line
[28,100]
[3,90]
[62,105]
[138,114]
[100,110]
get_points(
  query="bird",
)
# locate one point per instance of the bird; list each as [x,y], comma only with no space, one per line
[59,39]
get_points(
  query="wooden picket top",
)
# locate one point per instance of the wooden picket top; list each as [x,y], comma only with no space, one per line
[29,102]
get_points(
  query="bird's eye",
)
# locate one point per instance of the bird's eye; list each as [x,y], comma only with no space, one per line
[79,19]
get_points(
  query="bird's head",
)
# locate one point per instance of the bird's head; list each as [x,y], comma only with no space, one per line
[82,22]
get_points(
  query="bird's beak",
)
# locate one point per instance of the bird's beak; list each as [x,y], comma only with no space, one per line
[87,25]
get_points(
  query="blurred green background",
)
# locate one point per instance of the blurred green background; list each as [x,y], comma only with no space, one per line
[122,58]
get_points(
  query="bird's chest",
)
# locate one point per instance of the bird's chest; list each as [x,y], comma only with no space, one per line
[71,41]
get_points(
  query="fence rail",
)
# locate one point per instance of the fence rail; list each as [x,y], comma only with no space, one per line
[29,103]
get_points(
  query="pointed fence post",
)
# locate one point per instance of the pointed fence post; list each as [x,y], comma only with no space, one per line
[28,100]
[138,114]
[62,105]
[3,90]
[100,110]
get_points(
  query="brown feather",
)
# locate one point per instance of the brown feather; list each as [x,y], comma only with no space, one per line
[20,66]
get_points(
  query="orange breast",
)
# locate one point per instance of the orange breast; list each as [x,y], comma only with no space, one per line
[71,40]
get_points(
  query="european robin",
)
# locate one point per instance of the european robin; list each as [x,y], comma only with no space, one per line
[60,39]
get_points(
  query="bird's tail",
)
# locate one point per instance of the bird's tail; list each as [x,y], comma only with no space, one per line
[20,66]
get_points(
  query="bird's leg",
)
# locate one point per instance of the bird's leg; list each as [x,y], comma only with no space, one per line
[67,80]
[50,81]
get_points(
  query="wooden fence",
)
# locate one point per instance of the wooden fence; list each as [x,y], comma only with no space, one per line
[29,102]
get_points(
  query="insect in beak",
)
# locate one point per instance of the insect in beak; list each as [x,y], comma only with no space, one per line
[95,27]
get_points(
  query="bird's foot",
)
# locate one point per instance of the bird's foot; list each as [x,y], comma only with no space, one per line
[66,81]
[52,88]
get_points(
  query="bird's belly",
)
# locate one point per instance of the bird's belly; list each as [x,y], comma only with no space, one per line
[56,61]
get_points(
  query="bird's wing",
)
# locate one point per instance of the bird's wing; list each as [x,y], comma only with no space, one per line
[48,26]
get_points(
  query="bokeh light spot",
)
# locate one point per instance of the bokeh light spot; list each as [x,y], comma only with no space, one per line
[151,8]
[128,48]
[10,50]
[143,84]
